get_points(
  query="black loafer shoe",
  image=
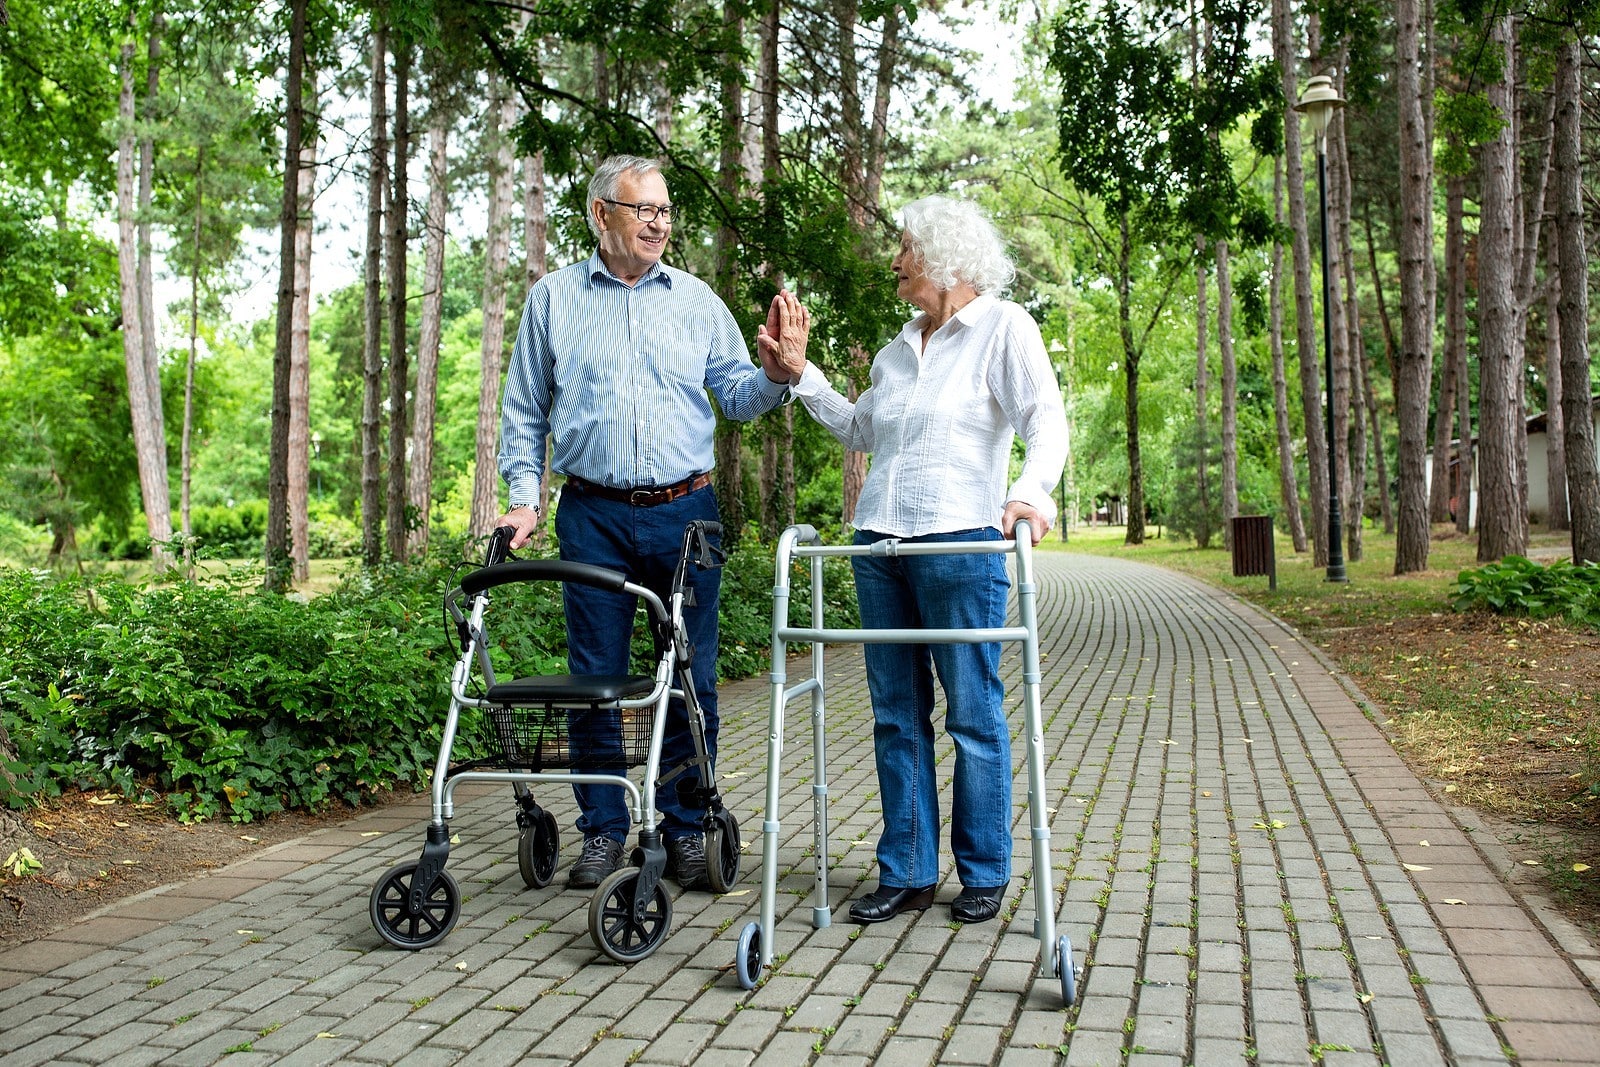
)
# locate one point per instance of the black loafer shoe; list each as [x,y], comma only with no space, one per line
[886,902]
[976,905]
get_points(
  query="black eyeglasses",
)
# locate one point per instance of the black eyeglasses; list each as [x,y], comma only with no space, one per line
[647,212]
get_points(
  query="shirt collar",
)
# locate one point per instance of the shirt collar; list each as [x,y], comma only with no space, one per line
[974,310]
[658,271]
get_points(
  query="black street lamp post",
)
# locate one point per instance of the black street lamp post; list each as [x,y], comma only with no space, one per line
[1317,103]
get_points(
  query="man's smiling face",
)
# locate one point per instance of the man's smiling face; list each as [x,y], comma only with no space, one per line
[630,247]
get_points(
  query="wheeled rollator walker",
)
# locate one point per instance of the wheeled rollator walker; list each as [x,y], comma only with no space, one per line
[584,729]
[755,951]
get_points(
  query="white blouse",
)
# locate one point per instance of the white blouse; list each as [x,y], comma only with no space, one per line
[939,422]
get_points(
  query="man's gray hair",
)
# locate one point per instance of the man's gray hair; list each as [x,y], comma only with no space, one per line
[607,181]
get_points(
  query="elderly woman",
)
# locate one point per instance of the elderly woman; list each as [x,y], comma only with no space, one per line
[947,395]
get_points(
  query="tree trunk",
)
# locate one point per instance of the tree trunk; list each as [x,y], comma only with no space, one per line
[185,450]
[1414,370]
[277,534]
[419,482]
[1339,354]
[1304,309]
[1500,521]
[149,437]
[1356,442]
[1230,393]
[497,258]
[1130,359]
[1555,441]
[1202,519]
[147,297]
[1440,490]
[1583,467]
[729,438]
[1288,487]
[535,236]
[300,370]
[372,302]
[1463,485]
[399,357]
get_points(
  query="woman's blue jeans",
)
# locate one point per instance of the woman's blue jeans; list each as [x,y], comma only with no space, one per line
[966,591]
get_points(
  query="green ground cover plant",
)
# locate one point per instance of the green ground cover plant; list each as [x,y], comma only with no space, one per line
[229,702]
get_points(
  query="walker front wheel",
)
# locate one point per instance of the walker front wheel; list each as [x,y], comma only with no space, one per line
[615,929]
[538,849]
[390,909]
[748,960]
[1064,968]
[722,852]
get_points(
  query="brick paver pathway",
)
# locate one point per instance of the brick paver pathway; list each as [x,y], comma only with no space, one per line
[1251,872]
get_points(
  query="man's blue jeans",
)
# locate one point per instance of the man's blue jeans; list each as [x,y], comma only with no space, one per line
[942,592]
[643,543]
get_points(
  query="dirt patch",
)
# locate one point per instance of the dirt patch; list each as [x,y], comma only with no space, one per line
[93,849]
[1503,714]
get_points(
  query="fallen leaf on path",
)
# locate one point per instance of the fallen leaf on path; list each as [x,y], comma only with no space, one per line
[372,833]
[1415,867]
[1580,867]
[1452,900]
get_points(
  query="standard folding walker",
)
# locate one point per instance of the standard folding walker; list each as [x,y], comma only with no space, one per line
[531,723]
[755,951]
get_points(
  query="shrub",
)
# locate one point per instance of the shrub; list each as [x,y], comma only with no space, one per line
[1519,586]
[238,703]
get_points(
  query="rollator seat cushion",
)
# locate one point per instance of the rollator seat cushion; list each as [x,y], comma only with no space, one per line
[571,690]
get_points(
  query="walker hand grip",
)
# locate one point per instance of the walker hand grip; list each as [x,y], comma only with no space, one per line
[499,545]
[804,533]
[542,570]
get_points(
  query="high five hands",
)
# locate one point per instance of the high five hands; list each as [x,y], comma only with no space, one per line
[781,340]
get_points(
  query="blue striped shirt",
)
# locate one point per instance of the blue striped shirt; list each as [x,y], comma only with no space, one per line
[616,378]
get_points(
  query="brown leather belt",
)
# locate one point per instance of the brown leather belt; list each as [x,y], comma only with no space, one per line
[646,496]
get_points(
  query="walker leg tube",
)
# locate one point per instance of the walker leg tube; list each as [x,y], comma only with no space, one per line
[1044,923]
[771,824]
[821,910]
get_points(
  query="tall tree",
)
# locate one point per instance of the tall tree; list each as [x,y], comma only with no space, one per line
[497,258]
[1414,369]
[1288,485]
[372,298]
[399,359]
[420,475]
[300,369]
[295,135]
[149,434]
[1583,467]
[1283,51]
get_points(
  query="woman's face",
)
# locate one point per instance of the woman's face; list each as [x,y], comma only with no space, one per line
[913,286]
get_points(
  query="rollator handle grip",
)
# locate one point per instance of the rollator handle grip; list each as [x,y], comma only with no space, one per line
[499,545]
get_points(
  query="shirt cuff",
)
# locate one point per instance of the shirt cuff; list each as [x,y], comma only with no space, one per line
[812,381]
[773,390]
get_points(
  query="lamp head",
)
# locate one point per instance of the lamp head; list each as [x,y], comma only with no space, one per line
[1318,101]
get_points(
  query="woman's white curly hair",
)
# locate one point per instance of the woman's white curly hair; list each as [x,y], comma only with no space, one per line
[955,242]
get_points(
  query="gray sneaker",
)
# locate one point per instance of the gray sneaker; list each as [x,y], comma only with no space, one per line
[599,858]
[687,858]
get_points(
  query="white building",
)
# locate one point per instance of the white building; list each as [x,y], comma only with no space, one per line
[1538,467]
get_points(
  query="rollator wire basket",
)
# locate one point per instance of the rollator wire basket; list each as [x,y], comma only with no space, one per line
[536,739]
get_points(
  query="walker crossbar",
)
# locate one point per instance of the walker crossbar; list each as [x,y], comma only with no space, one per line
[801,542]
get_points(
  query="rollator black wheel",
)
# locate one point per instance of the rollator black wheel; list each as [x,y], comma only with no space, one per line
[1064,968]
[748,960]
[538,850]
[391,914]
[722,852]
[612,924]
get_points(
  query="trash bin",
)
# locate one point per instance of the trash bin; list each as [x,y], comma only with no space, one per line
[1252,548]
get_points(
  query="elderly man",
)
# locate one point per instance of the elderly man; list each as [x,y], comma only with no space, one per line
[612,365]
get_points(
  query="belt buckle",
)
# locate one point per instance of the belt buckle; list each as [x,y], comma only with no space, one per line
[641,498]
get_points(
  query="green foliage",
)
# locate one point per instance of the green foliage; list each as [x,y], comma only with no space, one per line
[237,703]
[1518,586]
